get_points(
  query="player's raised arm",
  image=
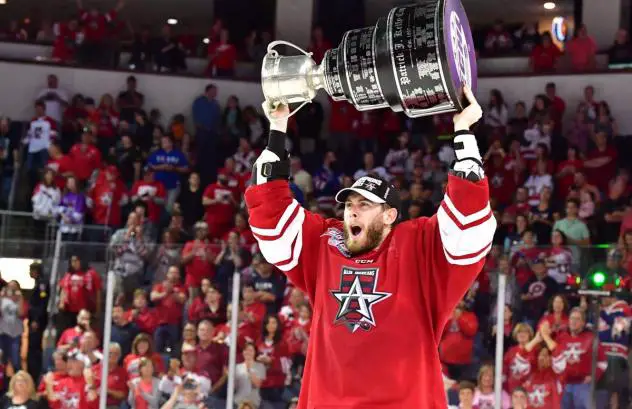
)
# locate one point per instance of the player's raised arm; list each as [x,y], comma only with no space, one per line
[456,240]
[288,235]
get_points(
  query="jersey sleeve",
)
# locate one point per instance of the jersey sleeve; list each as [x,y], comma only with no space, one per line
[453,245]
[288,235]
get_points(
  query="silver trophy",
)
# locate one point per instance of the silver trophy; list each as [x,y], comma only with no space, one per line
[416,61]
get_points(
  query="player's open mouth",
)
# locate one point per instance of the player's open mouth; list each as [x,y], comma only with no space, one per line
[356,231]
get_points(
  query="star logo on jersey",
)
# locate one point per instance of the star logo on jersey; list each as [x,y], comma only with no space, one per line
[574,353]
[356,297]
[537,396]
[519,366]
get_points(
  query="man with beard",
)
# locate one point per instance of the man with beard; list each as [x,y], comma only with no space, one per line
[381,291]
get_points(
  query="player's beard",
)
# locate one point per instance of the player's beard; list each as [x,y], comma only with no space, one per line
[369,239]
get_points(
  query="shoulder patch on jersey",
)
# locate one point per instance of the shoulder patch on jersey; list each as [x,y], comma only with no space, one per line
[337,240]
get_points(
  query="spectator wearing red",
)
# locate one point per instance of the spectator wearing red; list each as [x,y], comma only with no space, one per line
[212,309]
[273,354]
[545,55]
[297,334]
[246,238]
[502,179]
[582,50]
[68,37]
[235,180]
[498,39]
[106,120]
[543,386]
[220,201]
[254,311]
[289,312]
[556,317]
[341,119]
[76,391]
[144,317]
[169,298]
[520,204]
[106,198]
[142,348]
[519,361]
[85,157]
[80,289]
[152,193]
[70,337]
[364,128]
[54,377]
[525,254]
[557,107]
[62,165]
[198,257]
[117,389]
[212,358]
[601,163]
[572,358]
[566,171]
[222,56]
[457,341]
[199,301]
[246,331]
[318,45]
[95,28]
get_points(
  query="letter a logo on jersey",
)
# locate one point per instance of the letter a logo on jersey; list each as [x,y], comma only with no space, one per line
[356,297]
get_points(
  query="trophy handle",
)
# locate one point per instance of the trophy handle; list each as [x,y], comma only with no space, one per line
[274,52]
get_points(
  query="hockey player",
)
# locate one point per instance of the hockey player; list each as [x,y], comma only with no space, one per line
[381,291]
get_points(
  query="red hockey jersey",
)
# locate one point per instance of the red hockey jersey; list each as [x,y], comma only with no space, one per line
[572,357]
[544,389]
[518,364]
[377,318]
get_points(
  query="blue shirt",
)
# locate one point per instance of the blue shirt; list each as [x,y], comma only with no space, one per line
[206,113]
[170,179]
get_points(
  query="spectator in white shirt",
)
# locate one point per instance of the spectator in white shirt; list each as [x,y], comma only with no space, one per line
[302,178]
[537,182]
[42,130]
[497,114]
[55,99]
[46,197]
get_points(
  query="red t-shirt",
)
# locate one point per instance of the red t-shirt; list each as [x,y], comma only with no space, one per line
[565,183]
[61,165]
[65,42]
[117,381]
[168,309]
[200,266]
[150,193]
[211,360]
[602,175]
[95,27]
[69,336]
[581,50]
[146,320]
[255,311]
[219,216]
[518,365]
[106,121]
[224,56]
[275,374]
[502,183]
[57,378]
[202,311]
[81,290]
[341,117]
[85,159]
[106,198]
[544,58]
[73,394]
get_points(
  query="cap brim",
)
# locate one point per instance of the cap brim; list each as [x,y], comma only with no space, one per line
[342,196]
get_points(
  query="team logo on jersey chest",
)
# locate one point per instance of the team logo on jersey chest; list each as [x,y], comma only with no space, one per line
[356,297]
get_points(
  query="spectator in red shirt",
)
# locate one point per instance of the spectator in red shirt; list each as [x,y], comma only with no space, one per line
[220,202]
[341,119]
[198,302]
[117,377]
[142,348]
[54,377]
[212,309]
[152,193]
[198,257]
[557,107]
[144,317]
[212,358]
[95,28]
[544,56]
[273,354]
[457,341]
[520,359]
[318,45]
[222,57]
[601,163]
[70,337]
[85,157]
[498,39]
[169,298]
[80,289]
[254,310]
[543,386]
[502,179]
[582,50]
[68,37]
[106,120]
[566,171]
[62,165]
[106,198]
[74,391]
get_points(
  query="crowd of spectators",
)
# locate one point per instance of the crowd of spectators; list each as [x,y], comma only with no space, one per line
[167,203]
